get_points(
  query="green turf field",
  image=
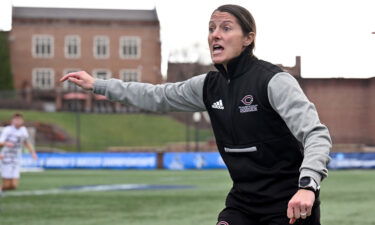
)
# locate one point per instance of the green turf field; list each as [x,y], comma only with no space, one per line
[348,197]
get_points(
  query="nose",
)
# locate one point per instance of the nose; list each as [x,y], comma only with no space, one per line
[216,35]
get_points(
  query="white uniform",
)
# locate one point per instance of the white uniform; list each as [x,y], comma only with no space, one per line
[11,163]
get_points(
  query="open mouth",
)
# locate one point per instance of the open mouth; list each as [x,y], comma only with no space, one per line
[216,48]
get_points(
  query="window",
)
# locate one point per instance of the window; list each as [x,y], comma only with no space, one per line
[101,47]
[72,46]
[130,47]
[42,46]
[43,78]
[102,74]
[69,86]
[129,75]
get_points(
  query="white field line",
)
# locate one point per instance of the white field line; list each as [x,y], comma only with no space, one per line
[114,187]
[93,188]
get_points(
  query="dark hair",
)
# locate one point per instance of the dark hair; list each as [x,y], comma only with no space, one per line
[17,115]
[244,18]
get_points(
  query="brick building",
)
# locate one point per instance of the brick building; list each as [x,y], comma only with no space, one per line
[347,106]
[46,43]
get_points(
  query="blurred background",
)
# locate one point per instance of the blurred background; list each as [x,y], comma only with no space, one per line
[157,42]
[328,46]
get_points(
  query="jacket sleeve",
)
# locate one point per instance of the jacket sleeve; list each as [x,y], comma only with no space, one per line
[180,96]
[300,115]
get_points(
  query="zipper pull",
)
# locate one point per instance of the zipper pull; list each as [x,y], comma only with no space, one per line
[228,81]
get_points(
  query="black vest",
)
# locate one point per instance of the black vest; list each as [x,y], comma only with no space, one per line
[262,155]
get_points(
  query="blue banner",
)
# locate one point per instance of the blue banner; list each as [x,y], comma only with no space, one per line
[190,160]
[352,161]
[213,160]
[91,161]
[172,161]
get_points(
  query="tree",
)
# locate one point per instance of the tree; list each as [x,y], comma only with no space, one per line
[6,78]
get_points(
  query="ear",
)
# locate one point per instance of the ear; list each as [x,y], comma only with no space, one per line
[249,38]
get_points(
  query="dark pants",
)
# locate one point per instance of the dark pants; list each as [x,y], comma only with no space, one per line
[232,216]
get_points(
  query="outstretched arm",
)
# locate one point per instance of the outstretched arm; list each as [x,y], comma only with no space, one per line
[180,96]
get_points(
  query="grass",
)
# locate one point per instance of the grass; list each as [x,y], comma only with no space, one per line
[347,198]
[100,131]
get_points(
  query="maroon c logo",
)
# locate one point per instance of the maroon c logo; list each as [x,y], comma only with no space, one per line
[247,100]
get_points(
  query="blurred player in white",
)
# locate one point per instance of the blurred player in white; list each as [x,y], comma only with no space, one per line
[12,140]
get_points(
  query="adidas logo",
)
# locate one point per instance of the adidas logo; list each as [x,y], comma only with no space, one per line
[218,105]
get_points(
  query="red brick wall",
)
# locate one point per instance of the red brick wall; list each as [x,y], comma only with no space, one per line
[346,106]
[371,111]
[23,62]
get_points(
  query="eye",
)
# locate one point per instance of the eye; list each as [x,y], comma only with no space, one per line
[211,29]
[226,28]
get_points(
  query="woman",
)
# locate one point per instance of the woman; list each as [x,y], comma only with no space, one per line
[259,115]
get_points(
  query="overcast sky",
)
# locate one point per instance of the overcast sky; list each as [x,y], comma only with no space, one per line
[333,37]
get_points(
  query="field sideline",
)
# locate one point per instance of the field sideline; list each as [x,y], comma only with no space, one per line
[348,198]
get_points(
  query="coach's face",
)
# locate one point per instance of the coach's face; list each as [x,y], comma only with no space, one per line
[225,38]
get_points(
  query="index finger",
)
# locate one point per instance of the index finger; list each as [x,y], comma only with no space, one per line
[290,212]
[290,215]
[64,78]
